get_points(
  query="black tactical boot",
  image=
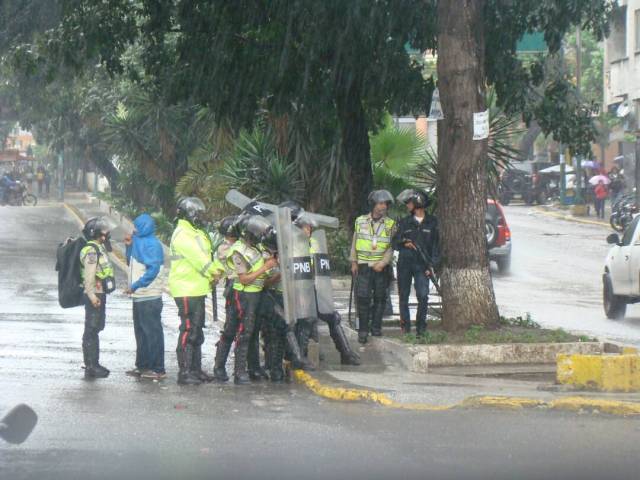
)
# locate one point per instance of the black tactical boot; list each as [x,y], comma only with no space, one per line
[405,326]
[219,367]
[240,376]
[364,312]
[347,355]
[421,317]
[91,354]
[196,368]
[297,360]
[186,376]
[255,370]
[378,312]
[276,354]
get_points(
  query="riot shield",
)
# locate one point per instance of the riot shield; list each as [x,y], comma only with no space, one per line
[296,269]
[322,272]
[238,199]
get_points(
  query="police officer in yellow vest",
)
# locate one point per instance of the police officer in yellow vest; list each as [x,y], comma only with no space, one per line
[190,277]
[371,256]
[99,280]
[251,269]
[229,230]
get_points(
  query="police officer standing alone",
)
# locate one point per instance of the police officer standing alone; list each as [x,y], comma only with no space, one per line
[192,271]
[416,240]
[98,279]
[371,255]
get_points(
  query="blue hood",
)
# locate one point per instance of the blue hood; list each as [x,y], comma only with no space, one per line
[146,249]
[145,225]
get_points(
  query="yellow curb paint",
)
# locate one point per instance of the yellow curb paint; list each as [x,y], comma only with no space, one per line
[571,218]
[607,373]
[612,407]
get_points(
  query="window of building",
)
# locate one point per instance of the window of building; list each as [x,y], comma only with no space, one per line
[617,41]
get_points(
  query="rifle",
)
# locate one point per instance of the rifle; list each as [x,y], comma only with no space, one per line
[428,262]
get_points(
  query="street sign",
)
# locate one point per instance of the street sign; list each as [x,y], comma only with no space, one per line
[531,43]
[435,112]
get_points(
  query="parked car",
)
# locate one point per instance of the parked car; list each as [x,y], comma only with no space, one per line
[621,277]
[498,236]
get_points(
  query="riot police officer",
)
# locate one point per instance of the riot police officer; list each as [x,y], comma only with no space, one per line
[416,240]
[190,277]
[99,280]
[371,256]
[251,269]
[333,320]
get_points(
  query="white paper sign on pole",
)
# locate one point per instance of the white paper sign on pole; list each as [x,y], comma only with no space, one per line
[481,125]
[435,111]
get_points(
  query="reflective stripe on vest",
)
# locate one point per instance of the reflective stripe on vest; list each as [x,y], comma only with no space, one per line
[104,269]
[372,239]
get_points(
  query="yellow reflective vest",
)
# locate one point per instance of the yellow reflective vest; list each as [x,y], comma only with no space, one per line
[373,239]
[192,267]
[254,259]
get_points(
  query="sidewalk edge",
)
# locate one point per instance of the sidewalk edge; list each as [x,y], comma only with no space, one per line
[573,404]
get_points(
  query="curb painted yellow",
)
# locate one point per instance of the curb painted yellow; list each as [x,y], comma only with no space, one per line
[571,218]
[607,373]
[574,404]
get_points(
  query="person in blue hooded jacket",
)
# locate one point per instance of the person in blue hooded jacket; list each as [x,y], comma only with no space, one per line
[145,258]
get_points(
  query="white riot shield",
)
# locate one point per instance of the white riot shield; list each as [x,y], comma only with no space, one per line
[296,269]
[240,200]
[322,272]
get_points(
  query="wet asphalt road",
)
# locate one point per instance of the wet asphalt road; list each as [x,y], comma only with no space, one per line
[556,275]
[123,428]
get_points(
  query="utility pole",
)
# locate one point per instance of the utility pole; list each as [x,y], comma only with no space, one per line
[61,176]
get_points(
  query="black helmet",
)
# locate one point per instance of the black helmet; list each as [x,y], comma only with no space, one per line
[253,229]
[380,196]
[270,240]
[95,227]
[192,210]
[228,226]
[419,198]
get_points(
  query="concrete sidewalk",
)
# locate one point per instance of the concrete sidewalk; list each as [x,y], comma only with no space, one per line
[384,379]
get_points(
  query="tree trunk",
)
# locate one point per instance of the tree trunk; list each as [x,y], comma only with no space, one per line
[526,144]
[467,290]
[356,153]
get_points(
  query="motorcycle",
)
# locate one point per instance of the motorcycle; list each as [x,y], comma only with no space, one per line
[18,196]
[622,212]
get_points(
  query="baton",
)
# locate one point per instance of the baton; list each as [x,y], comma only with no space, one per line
[350,300]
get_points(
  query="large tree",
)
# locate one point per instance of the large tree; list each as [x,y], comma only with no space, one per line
[477,47]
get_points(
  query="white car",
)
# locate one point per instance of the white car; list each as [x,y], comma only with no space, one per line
[621,278]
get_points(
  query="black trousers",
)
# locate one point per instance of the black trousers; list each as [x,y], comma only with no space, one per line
[192,315]
[94,321]
[371,294]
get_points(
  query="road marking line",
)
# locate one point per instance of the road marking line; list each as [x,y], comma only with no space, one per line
[612,407]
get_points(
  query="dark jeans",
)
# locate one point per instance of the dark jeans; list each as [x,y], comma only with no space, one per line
[599,204]
[408,273]
[147,326]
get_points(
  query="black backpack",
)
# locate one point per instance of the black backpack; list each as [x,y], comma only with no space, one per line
[69,268]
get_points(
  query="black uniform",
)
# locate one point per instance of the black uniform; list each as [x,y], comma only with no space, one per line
[413,264]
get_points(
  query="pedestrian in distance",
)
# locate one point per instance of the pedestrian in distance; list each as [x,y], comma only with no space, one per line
[371,256]
[145,259]
[40,179]
[416,240]
[601,195]
[98,280]
[190,278]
